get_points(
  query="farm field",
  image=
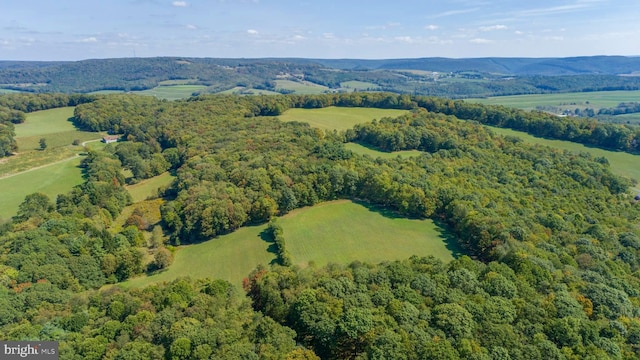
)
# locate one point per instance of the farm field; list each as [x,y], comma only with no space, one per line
[594,100]
[54,126]
[46,122]
[106,92]
[300,87]
[50,180]
[339,231]
[359,85]
[338,118]
[621,163]
[241,90]
[363,150]
[172,92]
[52,171]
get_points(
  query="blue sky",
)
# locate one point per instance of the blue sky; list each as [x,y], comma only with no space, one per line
[374,29]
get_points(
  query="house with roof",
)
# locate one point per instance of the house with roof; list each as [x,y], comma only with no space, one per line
[108,139]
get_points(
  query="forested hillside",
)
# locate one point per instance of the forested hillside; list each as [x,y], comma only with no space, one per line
[427,76]
[551,236]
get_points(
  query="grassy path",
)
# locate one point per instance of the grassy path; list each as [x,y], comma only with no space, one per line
[38,167]
[84,144]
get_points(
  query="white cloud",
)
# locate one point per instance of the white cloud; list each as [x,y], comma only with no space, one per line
[298,37]
[493,28]
[252,32]
[480,41]
[387,26]
[431,27]
[91,39]
[180,4]
[556,9]
[518,32]
[406,39]
[191,27]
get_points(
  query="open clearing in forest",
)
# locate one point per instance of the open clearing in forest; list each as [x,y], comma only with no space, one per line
[51,180]
[149,187]
[355,85]
[621,163]
[338,231]
[241,90]
[52,171]
[172,92]
[338,118]
[46,122]
[53,125]
[300,87]
[364,150]
[344,231]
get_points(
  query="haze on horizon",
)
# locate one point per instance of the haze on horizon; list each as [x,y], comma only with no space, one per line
[75,29]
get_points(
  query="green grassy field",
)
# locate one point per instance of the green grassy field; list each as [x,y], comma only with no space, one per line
[596,99]
[338,118]
[172,92]
[359,85]
[621,163]
[344,231]
[106,92]
[338,231]
[51,180]
[177,82]
[230,257]
[52,171]
[241,90]
[363,150]
[148,188]
[46,122]
[54,126]
[300,87]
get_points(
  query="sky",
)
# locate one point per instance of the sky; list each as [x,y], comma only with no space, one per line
[329,29]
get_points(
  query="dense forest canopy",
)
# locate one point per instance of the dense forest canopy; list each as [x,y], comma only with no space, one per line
[551,236]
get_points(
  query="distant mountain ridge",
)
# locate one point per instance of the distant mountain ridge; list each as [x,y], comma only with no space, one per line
[607,65]
[475,77]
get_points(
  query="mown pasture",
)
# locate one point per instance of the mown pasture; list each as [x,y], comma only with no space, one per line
[338,118]
[339,231]
[230,257]
[241,90]
[344,231]
[51,180]
[53,170]
[300,87]
[355,85]
[54,126]
[172,92]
